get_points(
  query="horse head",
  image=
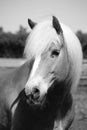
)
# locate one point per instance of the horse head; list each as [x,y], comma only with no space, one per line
[47,47]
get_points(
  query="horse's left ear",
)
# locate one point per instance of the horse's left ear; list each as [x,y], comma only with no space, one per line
[56,25]
[31,23]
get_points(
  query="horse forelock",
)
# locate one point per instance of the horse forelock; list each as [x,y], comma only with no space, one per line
[40,39]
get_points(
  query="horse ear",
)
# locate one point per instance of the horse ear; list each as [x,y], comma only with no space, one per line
[56,25]
[31,23]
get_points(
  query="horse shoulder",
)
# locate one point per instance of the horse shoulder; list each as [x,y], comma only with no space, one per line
[4,89]
[11,83]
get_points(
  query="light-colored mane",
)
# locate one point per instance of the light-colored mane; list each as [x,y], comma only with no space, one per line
[43,34]
[40,38]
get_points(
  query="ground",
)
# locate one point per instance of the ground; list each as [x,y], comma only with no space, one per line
[80,98]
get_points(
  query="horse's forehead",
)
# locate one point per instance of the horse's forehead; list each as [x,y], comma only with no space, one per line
[43,35]
[41,38]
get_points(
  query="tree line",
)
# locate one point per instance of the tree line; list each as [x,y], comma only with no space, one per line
[12,44]
[83,39]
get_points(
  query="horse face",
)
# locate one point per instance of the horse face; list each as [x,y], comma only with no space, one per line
[49,65]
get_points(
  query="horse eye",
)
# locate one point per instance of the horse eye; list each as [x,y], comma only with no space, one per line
[54,53]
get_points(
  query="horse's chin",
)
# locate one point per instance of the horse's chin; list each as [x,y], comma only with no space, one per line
[36,103]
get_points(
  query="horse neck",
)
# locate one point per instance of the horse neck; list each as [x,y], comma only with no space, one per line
[21,75]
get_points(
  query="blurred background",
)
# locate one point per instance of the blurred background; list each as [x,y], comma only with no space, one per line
[14,31]
[14,27]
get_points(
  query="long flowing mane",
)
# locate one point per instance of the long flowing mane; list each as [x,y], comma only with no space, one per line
[39,37]
[43,33]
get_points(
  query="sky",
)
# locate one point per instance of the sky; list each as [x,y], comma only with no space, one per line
[14,13]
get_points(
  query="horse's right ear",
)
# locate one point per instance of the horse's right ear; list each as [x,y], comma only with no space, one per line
[57,25]
[31,23]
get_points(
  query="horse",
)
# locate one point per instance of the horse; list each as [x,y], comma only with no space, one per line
[38,94]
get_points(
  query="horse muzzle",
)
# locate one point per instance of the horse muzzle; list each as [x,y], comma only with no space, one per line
[34,97]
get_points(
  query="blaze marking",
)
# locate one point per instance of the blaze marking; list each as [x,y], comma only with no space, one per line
[35,66]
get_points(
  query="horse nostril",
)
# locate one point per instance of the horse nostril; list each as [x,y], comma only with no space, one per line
[35,94]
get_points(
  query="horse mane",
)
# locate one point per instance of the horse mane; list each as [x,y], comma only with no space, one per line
[40,38]
[43,34]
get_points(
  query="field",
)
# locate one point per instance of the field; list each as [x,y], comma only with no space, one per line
[80,97]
